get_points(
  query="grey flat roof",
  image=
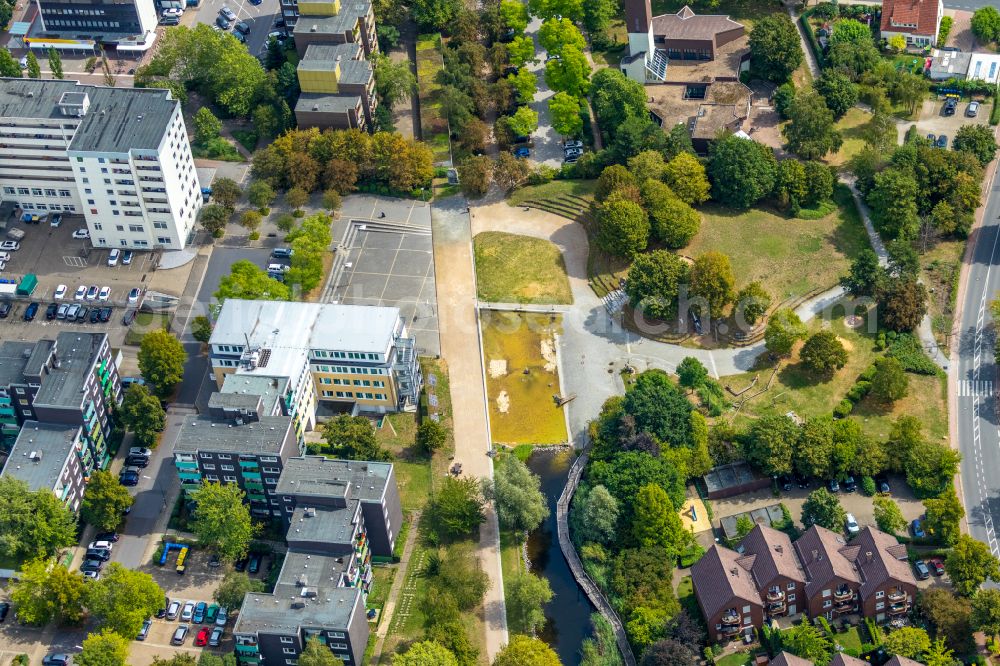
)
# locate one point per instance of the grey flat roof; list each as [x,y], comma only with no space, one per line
[13,359]
[76,353]
[325,477]
[323,524]
[271,389]
[233,401]
[39,356]
[349,16]
[286,326]
[118,120]
[354,69]
[332,607]
[319,103]
[202,433]
[54,441]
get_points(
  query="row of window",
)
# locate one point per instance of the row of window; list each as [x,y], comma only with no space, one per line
[377,383]
[349,370]
[358,356]
[38,192]
[230,468]
[352,394]
[31,206]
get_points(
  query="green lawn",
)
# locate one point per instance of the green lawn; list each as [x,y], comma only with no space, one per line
[143,324]
[850,639]
[798,390]
[434,128]
[789,257]
[742,658]
[940,267]
[519,269]
[851,127]
[552,190]
[522,379]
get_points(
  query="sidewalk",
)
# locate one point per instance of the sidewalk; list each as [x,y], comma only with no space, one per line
[397,586]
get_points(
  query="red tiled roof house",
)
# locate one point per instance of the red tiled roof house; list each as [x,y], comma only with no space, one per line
[888,588]
[833,584]
[780,579]
[727,594]
[916,20]
[789,659]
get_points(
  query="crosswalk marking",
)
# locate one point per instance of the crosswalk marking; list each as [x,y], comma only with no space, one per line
[968,388]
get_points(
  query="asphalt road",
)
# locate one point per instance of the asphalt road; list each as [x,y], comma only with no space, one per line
[968,4]
[975,377]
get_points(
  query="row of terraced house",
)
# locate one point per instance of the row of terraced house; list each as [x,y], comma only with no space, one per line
[820,574]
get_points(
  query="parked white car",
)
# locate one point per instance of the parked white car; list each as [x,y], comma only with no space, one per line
[81,234]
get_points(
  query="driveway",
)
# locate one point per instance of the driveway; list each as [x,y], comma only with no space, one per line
[459,329]
[932,121]
[546,149]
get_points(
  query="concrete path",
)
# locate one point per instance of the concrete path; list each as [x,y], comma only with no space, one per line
[810,58]
[546,148]
[460,347]
[397,586]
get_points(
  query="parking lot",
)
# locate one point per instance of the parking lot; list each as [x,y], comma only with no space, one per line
[933,121]
[387,259]
[259,17]
[56,258]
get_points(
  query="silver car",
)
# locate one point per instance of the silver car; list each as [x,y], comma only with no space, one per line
[188,612]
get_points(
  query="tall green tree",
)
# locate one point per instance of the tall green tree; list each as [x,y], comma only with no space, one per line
[770,443]
[32,523]
[248,281]
[654,282]
[944,516]
[557,33]
[526,651]
[986,24]
[570,73]
[122,599]
[838,91]
[105,500]
[902,304]
[394,82]
[457,508]
[260,194]
[807,641]
[597,516]
[55,64]
[616,98]
[44,592]
[104,649]
[866,276]
[206,126]
[986,611]
[352,438]
[434,15]
[909,642]
[565,112]
[742,171]
[977,140]
[426,653]
[823,352]
[222,520]
[516,492]
[784,329]
[622,226]
[672,221]
[970,565]
[526,594]
[712,278]
[775,47]
[524,121]
[317,653]
[823,508]
[691,373]
[687,178]
[811,133]
[660,408]
[753,302]
[142,413]
[34,69]
[949,615]
[161,361]
[888,517]
[8,65]
[234,586]
[514,14]
[893,202]
[656,523]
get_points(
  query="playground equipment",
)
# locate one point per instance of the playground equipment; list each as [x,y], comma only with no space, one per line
[167,547]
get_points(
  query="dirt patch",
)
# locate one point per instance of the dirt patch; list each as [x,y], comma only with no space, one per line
[847,344]
[549,354]
[503,402]
[498,368]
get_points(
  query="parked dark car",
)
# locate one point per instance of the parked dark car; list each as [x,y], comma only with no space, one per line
[950,105]
[923,571]
[129,476]
[917,528]
[102,554]
[137,461]
[254,564]
[802,480]
[785,482]
[833,486]
[241,565]
[4,609]
[882,485]
[4,309]
[128,318]
[850,485]
[107,536]
[95,315]
[104,314]
[942,141]
[81,314]
[31,311]
[55,659]
[92,565]
[50,312]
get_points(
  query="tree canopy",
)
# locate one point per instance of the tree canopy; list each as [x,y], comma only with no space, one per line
[104,649]
[234,586]
[654,282]
[142,413]
[970,565]
[105,500]
[161,361]
[457,507]
[122,599]
[775,47]
[516,491]
[526,651]
[742,171]
[352,438]
[222,520]
[32,523]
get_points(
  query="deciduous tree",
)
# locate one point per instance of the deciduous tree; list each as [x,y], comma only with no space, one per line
[457,507]
[247,281]
[516,492]
[742,171]
[978,140]
[234,586]
[475,175]
[214,218]
[986,24]
[105,500]
[616,98]
[691,373]
[660,408]
[985,615]
[770,443]
[260,194]
[807,641]
[526,651]
[811,133]
[824,353]
[521,50]
[122,599]
[525,595]
[944,515]
[226,192]
[44,592]
[784,329]
[775,47]
[838,91]
[206,127]
[142,413]
[909,642]
[570,73]
[622,227]
[161,361]
[352,438]
[317,653]
[8,65]
[686,176]
[431,435]
[424,653]
[654,282]
[565,112]
[890,382]
[672,221]
[902,304]
[823,508]
[969,566]
[557,33]
[753,302]
[104,649]
[712,278]
[222,520]
[656,523]
[597,514]
[949,615]
[866,277]
[34,70]
[888,517]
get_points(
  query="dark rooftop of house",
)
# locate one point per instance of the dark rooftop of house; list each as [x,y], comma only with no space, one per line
[40,452]
[333,103]
[203,433]
[316,476]
[685,24]
[720,576]
[13,359]
[332,525]
[75,356]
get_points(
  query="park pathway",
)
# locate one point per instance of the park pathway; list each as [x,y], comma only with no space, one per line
[460,347]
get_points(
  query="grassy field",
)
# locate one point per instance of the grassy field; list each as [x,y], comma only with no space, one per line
[790,257]
[522,379]
[851,126]
[143,324]
[433,127]
[552,190]
[519,269]
[798,390]
[939,267]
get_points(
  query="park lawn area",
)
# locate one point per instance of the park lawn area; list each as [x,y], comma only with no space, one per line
[553,190]
[849,640]
[741,658]
[143,324]
[519,269]
[789,257]
[433,126]
[511,562]
[940,268]
[851,127]
[522,378]
[798,390]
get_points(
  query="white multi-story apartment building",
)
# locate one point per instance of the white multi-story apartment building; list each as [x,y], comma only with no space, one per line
[119,156]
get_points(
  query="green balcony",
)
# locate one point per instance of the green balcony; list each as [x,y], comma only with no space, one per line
[247,650]
[186,464]
[254,487]
[189,476]
[249,463]
[251,476]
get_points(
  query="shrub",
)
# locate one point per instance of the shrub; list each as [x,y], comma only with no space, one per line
[868,486]
[868,373]
[907,349]
[843,409]
[859,391]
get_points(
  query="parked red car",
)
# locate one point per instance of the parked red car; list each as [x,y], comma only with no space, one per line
[937,566]
[202,638]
